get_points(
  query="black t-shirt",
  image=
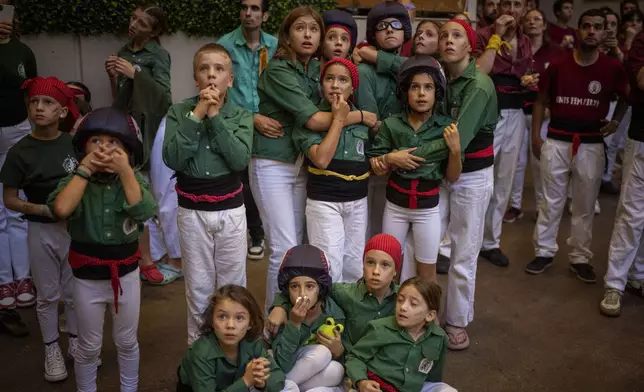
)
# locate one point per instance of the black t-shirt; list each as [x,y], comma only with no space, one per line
[36,166]
[17,64]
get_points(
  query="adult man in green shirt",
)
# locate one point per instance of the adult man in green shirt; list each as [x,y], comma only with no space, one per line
[251,48]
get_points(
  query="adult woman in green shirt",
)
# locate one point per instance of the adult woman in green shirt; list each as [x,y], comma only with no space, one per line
[140,80]
[288,92]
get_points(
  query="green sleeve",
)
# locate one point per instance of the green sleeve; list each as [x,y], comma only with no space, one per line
[285,345]
[387,63]
[382,144]
[237,386]
[365,96]
[284,90]
[433,151]
[161,74]
[361,353]
[12,173]
[281,301]
[234,142]
[146,208]
[181,141]
[275,382]
[473,114]
[52,198]
[436,374]
[202,374]
[305,139]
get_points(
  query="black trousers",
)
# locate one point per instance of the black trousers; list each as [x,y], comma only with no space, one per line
[253,221]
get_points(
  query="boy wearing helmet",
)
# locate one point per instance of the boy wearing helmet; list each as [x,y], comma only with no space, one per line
[304,278]
[388,27]
[35,164]
[105,203]
[417,144]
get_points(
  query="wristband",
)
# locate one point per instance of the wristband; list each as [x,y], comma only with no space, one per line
[497,44]
[81,173]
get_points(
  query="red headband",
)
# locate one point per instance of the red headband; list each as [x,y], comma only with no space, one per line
[469,31]
[54,88]
[345,28]
[355,78]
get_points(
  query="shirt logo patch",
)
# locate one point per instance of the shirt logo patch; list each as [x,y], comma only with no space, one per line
[69,164]
[21,71]
[425,366]
[360,147]
[129,226]
[594,87]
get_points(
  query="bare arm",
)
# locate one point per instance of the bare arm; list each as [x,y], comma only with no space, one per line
[321,121]
[454,167]
[131,187]
[13,202]
[485,62]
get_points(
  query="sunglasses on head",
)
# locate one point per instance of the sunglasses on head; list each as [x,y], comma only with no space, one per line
[396,25]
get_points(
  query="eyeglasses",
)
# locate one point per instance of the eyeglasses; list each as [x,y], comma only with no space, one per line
[396,25]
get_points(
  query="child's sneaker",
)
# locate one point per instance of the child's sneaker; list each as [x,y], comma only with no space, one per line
[7,296]
[635,287]
[256,249]
[55,369]
[611,305]
[25,293]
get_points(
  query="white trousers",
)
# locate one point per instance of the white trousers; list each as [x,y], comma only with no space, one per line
[462,207]
[616,141]
[91,298]
[584,171]
[164,239]
[535,164]
[213,245]
[377,199]
[626,250]
[280,193]
[14,258]
[339,229]
[315,368]
[48,249]
[516,196]
[508,141]
[425,225]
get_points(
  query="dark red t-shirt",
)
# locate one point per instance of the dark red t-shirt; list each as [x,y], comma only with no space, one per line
[580,96]
[541,60]
[557,33]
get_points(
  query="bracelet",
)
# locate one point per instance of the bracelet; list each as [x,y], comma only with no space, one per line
[497,44]
[81,173]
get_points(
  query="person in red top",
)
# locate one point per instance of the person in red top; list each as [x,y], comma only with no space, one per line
[578,88]
[626,250]
[505,54]
[534,26]
[489,14]
[559,32]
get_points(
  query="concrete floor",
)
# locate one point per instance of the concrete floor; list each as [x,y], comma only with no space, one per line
[530,333]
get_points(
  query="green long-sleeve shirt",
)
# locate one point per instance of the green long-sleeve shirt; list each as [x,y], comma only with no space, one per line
[211,148]
[387,350]
[205,367]
[396,133]
[289,94]
[290,338]
[377,92]
[104,216]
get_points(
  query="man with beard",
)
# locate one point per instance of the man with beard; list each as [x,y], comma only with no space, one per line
[504,53]
[251,49]
[578,88]
[559,32]
[490,13]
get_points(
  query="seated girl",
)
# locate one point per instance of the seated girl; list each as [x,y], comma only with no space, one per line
[416,144]
[307,355]
[371,298]
[230,354]
[405,352]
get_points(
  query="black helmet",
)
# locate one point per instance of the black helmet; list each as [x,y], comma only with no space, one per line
[337,17]
[305,260]
[110,121]
[421,63]
[384,10]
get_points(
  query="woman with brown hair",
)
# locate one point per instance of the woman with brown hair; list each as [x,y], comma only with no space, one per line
[289,93]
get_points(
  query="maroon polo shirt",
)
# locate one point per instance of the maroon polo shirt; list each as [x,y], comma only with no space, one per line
[547,53]
[557,33]
[633,65]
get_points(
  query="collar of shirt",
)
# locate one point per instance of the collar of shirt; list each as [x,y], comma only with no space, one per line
[226,110]
[240,40]
[214,351]
[468,73]
[432,329]
[151,46]
[363,292]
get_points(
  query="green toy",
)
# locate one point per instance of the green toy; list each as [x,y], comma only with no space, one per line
[328,328]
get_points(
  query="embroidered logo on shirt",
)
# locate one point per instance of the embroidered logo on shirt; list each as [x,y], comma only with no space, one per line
[425,366]
[21,71]
[69,164]
[129,226]
[360,147]
[594,87]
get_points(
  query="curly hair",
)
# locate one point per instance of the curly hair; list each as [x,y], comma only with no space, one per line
[242,296]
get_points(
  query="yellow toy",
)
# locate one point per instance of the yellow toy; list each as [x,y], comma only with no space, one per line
[328,328]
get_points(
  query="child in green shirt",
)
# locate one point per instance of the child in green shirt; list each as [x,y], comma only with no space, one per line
[405,352]
[230,355]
